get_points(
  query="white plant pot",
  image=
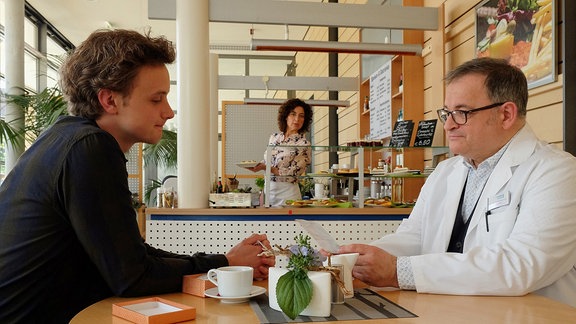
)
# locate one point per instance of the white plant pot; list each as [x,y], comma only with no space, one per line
[320,304]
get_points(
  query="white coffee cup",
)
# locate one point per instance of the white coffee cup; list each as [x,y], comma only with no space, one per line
[232,281]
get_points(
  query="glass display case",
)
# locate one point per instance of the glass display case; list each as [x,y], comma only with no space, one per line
[357,180]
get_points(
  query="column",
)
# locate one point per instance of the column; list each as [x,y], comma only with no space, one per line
[14,49]
[214,115]
[192,42]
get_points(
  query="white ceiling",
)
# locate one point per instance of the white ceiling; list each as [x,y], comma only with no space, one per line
[76,19]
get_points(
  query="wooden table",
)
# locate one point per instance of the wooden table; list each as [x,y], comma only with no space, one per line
[429,308]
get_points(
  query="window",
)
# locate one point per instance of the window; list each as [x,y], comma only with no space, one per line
[36,76]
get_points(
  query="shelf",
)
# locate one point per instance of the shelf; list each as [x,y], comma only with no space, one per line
[346,148]
[361,180]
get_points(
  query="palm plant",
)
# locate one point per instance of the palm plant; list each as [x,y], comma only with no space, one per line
[40,111]
[164,152]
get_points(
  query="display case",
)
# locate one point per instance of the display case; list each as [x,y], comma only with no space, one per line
[359,176]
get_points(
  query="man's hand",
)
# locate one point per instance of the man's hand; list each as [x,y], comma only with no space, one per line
[374,266]
[246,253]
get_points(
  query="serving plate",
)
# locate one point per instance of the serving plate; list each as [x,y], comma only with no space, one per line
[247,164]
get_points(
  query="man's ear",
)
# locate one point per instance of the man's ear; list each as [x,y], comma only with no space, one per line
[509,114]
[107,100]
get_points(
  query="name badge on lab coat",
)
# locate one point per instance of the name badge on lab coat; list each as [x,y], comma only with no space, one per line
[499,200]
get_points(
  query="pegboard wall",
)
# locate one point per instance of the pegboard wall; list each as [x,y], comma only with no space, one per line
[134,168]
[247,129]
[189,237]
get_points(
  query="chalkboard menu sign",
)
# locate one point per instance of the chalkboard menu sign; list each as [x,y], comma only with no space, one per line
[425,132]
[402,133]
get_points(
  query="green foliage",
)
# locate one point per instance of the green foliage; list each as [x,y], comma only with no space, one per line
[164,152]
[260,183]
[39,110]
[294,293]
[306,185]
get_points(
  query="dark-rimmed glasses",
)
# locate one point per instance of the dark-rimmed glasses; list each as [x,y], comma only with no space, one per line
[460,117]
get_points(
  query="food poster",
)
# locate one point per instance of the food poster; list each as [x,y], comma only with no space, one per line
[522,32]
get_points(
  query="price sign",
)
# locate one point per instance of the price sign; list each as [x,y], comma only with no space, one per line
[425,133]
[402,133]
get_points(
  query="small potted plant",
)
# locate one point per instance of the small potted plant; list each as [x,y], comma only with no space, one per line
[304,286]
[260,185]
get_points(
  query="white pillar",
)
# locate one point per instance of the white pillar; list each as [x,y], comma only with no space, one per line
[14,51]
[214,116]
[192,42]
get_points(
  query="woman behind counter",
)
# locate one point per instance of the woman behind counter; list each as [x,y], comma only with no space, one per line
[294,119]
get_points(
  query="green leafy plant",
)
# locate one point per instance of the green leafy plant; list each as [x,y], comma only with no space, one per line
[40,110]
[294,289]
[305,185]
[164,152]
[260,183]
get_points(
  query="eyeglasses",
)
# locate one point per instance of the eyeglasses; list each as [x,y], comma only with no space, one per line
[460,117]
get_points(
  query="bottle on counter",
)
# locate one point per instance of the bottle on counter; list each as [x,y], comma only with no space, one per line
[215,184]
[220,188]
[160,197]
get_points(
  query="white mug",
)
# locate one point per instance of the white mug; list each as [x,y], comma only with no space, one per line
[347,260]
[232,281]
[319,191]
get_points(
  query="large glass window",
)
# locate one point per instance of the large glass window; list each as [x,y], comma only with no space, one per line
[30,34]
[34,75]
[2,11]
[2,60]
[30,71]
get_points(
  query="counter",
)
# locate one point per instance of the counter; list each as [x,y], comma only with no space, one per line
[216,230]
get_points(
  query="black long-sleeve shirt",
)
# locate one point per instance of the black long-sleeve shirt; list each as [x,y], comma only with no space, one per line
[68,232]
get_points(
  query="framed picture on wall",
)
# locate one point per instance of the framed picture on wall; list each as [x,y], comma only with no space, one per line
[522,32]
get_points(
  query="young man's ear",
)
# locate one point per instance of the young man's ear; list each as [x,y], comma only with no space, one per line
[107,99]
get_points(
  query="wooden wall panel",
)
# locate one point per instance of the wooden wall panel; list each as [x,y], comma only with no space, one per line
[546,121]
[457,8]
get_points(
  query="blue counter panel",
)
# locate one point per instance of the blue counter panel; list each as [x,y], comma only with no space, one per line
[248,217]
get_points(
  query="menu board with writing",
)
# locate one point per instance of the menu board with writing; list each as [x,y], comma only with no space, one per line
[381,102]
[425,132]
[402,133]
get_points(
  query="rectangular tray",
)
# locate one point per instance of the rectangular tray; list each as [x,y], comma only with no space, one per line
[154,310]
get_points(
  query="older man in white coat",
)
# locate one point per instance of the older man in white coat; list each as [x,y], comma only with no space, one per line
[497,219]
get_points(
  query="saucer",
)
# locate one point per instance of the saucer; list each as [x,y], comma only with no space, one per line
[213,292]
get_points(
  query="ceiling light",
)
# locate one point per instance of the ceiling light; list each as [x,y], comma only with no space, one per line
[270,101]
[338,47]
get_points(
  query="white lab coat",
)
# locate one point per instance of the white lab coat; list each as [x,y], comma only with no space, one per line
[531,242]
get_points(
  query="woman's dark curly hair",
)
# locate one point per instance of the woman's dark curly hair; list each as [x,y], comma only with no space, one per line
[287,107]
[109,59]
